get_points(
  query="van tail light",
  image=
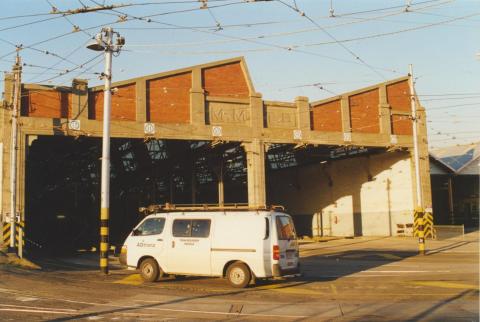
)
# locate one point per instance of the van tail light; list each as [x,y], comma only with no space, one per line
[276,252]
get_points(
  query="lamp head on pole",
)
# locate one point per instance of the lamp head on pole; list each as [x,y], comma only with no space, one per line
[96,44]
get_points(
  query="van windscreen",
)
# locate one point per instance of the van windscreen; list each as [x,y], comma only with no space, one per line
[285,228]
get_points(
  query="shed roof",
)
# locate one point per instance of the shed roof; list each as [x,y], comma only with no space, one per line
[458,157]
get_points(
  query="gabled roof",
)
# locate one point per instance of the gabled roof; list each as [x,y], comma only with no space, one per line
[458,157]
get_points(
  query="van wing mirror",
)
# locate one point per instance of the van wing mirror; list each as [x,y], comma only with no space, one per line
[136,232]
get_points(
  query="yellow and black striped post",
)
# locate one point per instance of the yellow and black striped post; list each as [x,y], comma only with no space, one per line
[420,230]
[104,215]
[19,243]
[6,234]
[20,238]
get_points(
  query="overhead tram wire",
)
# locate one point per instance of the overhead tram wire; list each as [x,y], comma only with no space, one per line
[70,70]
[302,13]
[83,29]
[293,32]
[389,8]
[64,58]
[177,27]
[75,27]
[450,106]
[149,20]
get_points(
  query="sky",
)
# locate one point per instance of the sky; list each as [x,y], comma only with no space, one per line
[314,48]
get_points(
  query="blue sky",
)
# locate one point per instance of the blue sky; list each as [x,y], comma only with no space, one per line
[288,54]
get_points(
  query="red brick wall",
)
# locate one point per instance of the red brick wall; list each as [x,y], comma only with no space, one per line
[364,112]
[45,103]
[168,99]
[123,104]
[327,117]
[226,81]
[398,96]
[401,125]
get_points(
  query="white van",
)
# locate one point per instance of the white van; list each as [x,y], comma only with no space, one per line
[241,245]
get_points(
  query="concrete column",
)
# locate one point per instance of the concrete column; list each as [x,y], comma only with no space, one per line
[424,158]
[345,108]
[218,169]
[141,112]
[303,113]
[197,98]
[255,152]
[6,139]
[79,99]
[450,200]
[256,113]
[384,112]
[194,184]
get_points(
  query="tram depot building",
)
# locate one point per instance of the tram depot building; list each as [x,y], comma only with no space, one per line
[341,166]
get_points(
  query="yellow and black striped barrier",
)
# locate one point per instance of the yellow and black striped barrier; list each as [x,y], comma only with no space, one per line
[426,220]
[104,216]
[6,234]
[19,233]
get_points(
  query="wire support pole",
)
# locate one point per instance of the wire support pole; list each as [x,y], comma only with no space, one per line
[105,179]
[413,104]
[419,212]
[13,152]
[104,42]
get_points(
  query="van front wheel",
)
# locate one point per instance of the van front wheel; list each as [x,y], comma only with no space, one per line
[238,275]
[149,270]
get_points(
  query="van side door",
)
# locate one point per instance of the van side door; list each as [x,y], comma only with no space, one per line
[287,242]
[189,248]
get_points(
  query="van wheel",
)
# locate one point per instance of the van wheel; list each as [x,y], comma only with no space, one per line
[149,270]
[238,275]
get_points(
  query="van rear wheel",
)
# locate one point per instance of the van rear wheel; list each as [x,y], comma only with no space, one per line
[149,270]
[238,275]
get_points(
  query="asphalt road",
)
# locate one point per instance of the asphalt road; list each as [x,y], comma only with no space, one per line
[361,279]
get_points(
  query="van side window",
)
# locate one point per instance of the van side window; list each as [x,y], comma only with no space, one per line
[182,228]
[267,228]
[151,226]
[200,228]
[285,228]
[191,228]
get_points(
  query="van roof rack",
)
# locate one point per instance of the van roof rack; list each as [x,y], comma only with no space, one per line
[168,207]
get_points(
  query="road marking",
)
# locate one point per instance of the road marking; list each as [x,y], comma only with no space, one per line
[446,284]
[134,279]
[26,299]
[288,289]
[37,307]
[228,313]
[384,255]
[334,289]
[34,311]
[375,271]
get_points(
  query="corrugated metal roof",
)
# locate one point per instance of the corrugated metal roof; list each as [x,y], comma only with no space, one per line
[457,157]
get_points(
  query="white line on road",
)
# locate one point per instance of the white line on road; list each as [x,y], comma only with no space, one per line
[135,307]
[38,307]
[375,271]
[34,311]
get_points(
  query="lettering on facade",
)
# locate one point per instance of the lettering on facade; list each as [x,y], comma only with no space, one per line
[281,117]
[224,113]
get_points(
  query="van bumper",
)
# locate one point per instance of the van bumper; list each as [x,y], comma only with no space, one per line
[123,258]
[277,271]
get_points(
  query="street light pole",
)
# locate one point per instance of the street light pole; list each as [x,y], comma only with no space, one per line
[105,181]
[104,42]
[419,207]
[13,155]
